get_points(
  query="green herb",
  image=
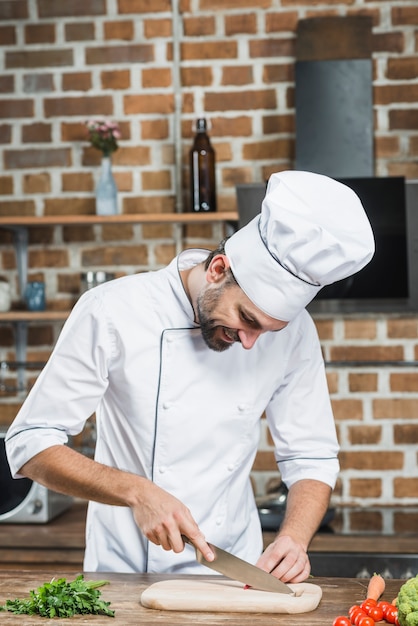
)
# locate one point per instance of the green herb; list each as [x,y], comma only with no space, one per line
[61,599]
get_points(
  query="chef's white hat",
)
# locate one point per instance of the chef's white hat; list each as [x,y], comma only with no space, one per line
[312,231]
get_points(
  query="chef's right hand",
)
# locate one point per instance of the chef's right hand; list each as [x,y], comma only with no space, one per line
[163,519]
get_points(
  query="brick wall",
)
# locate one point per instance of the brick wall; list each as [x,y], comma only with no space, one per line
[233,62]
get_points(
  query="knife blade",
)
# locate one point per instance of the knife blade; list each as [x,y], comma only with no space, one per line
[235,568]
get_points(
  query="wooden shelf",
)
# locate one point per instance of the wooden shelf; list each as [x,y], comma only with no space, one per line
[154,218]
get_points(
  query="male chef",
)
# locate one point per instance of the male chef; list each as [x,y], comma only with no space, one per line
[179,365]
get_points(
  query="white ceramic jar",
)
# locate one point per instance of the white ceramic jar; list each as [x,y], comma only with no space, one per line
[5,296]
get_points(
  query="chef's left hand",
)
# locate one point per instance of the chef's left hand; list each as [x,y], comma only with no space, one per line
[286,559]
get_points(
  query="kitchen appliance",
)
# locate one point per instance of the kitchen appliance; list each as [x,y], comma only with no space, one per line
[24,501]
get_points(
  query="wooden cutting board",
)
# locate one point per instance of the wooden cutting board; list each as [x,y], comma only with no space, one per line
[228,596]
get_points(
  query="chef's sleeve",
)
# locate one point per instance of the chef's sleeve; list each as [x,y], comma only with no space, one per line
[68,389]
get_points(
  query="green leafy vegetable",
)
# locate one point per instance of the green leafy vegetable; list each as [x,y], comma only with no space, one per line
[61,599]
[407,603]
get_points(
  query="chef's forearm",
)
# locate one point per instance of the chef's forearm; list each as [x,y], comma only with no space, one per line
[64,470]
[306,505]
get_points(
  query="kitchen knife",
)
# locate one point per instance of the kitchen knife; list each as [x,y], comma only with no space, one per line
[233,567]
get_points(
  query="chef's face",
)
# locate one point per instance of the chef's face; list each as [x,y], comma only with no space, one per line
[226,316]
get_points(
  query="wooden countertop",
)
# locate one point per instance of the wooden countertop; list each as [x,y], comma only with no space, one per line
[60,543]
[124,593]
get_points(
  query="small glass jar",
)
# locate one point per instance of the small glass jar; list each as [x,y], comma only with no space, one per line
[35,296]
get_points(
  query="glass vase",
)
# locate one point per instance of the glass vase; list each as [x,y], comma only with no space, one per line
[106,190]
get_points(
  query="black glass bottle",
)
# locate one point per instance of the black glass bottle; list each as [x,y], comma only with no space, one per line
[202,171]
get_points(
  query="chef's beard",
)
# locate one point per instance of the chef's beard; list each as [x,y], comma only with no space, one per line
[206,303]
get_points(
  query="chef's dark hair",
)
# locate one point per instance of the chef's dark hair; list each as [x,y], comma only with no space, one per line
[221,250]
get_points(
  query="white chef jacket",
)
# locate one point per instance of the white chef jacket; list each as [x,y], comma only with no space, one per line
[182,415]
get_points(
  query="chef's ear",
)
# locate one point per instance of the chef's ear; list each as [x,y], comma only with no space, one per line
[217,268]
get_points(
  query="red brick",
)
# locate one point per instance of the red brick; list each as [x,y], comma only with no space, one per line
[114,255]
[278,73]
[39,33]
[364,435]
[404,381]
[194,76]
[273,124]
[80,81]
[373,460]
[87,106]
[148,204]
[16,108]
[5,133]
[281,21]
[366,521]
[402,328]
[238,24]
[386,147]
[347,409]
[6,185]
[37,133]
[274,149]
[69,206]
[51,8]
[164,253]
[405,434]
[240,100]
[45,157]
[402,68]
[161,103]
[210,5]
[232,176]
[362,382]
[102,55]
[156,77]
[14,9]
[405,521]
[201,26]
[38,58]
[7,83]
[405,487]
[395,408]
[237,75]
[157,28]
[156,180]
[272,48]
[401,92]
[77,181]
[139,155]
[78,233]
[116,79]
[37,183]
[360,329]
[38,83]
[79,31]
[366,353]
[7,35]
[48,258]
[154,129]
[119,30]
[237,126]
[209,50]
[365,487]
[143,6]
[388,42]
[117,232]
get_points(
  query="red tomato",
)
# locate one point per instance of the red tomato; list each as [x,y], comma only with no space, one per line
[368,602]
[391,614]
[341,620]
[376,612]
[358,618]
[366,621]
[353,610]
[383,604]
